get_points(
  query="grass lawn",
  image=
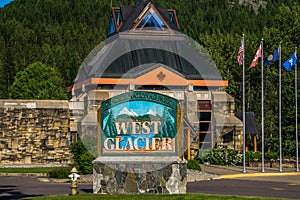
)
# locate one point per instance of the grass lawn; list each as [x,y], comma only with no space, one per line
[27,170]
[151,197]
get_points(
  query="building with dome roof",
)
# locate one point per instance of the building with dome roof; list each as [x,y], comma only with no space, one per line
[145,50]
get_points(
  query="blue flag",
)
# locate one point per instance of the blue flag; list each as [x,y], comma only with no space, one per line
[271,58]
[290,62]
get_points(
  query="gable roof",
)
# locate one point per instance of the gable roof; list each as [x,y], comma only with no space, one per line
[130,15]
[150,19]
[140,71]
[156,74]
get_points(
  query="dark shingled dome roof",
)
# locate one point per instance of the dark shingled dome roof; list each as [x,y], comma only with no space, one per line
[126,50]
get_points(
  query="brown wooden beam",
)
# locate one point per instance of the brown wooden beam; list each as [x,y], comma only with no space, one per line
[255,143]
[189,144]
[247,147]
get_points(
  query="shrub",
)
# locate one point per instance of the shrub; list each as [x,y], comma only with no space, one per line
[90,143]
[86,163]
[60,172]
[220,157]
[193,164]
[201,155]
[271,156]
[252,156]
[82,158]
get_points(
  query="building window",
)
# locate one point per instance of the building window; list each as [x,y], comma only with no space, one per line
[115,21]
[205,132]
[118,16]
[173,17]
[204,105]
[151,20]
[204,116]
[112,27]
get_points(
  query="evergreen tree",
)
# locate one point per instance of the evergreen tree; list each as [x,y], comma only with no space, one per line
[62,33]
[110,127]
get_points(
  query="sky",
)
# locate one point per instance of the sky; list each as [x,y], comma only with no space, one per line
[4,2]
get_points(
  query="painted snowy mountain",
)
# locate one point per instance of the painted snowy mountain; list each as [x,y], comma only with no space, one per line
[150,115]
[127,112]
[128,115]
[151,112]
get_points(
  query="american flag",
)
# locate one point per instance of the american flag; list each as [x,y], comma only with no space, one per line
[240,54]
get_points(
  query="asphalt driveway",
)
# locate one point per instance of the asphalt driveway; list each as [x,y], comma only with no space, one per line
[18,187]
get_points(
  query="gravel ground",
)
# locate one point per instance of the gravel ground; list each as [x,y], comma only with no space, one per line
[195,175]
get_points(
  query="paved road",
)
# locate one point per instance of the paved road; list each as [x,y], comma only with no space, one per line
[248,188]
[17,187]
[21,187]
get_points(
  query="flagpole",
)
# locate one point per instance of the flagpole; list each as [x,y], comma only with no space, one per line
[280,142]
[244,110]
[262,110]
[296,105]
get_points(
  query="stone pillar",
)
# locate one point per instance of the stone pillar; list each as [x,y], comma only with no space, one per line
[121,175]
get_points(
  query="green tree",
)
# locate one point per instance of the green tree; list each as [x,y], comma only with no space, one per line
[38,81]
[83,159]
[62,33]
[110,129]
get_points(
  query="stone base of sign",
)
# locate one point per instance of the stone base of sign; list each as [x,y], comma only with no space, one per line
[133,175]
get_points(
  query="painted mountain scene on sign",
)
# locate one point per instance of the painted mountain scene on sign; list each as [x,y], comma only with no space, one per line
[128,115]
[139,118]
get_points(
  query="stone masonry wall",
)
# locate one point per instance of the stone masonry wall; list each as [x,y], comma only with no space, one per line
[34,132]
[110,178]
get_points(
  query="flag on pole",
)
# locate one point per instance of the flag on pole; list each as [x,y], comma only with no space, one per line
[240,54]
[260,53]
[279,107]
[292,61]
[257,55]
[296,109]
[242,58]
[272,57]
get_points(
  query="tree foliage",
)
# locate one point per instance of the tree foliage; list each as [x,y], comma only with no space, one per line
[83,159]
[38,81]
[62,33]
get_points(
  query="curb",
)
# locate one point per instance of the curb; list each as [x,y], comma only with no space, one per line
[42,177]
[216,177]
[229,176]
[53,180]
[23,174]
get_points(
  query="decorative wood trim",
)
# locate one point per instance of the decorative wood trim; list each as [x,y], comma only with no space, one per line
[115,18]
[144,14]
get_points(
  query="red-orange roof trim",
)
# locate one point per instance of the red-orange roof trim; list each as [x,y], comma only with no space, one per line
[116,81]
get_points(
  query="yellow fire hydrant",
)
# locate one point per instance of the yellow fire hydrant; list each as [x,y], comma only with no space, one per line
[74,176]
